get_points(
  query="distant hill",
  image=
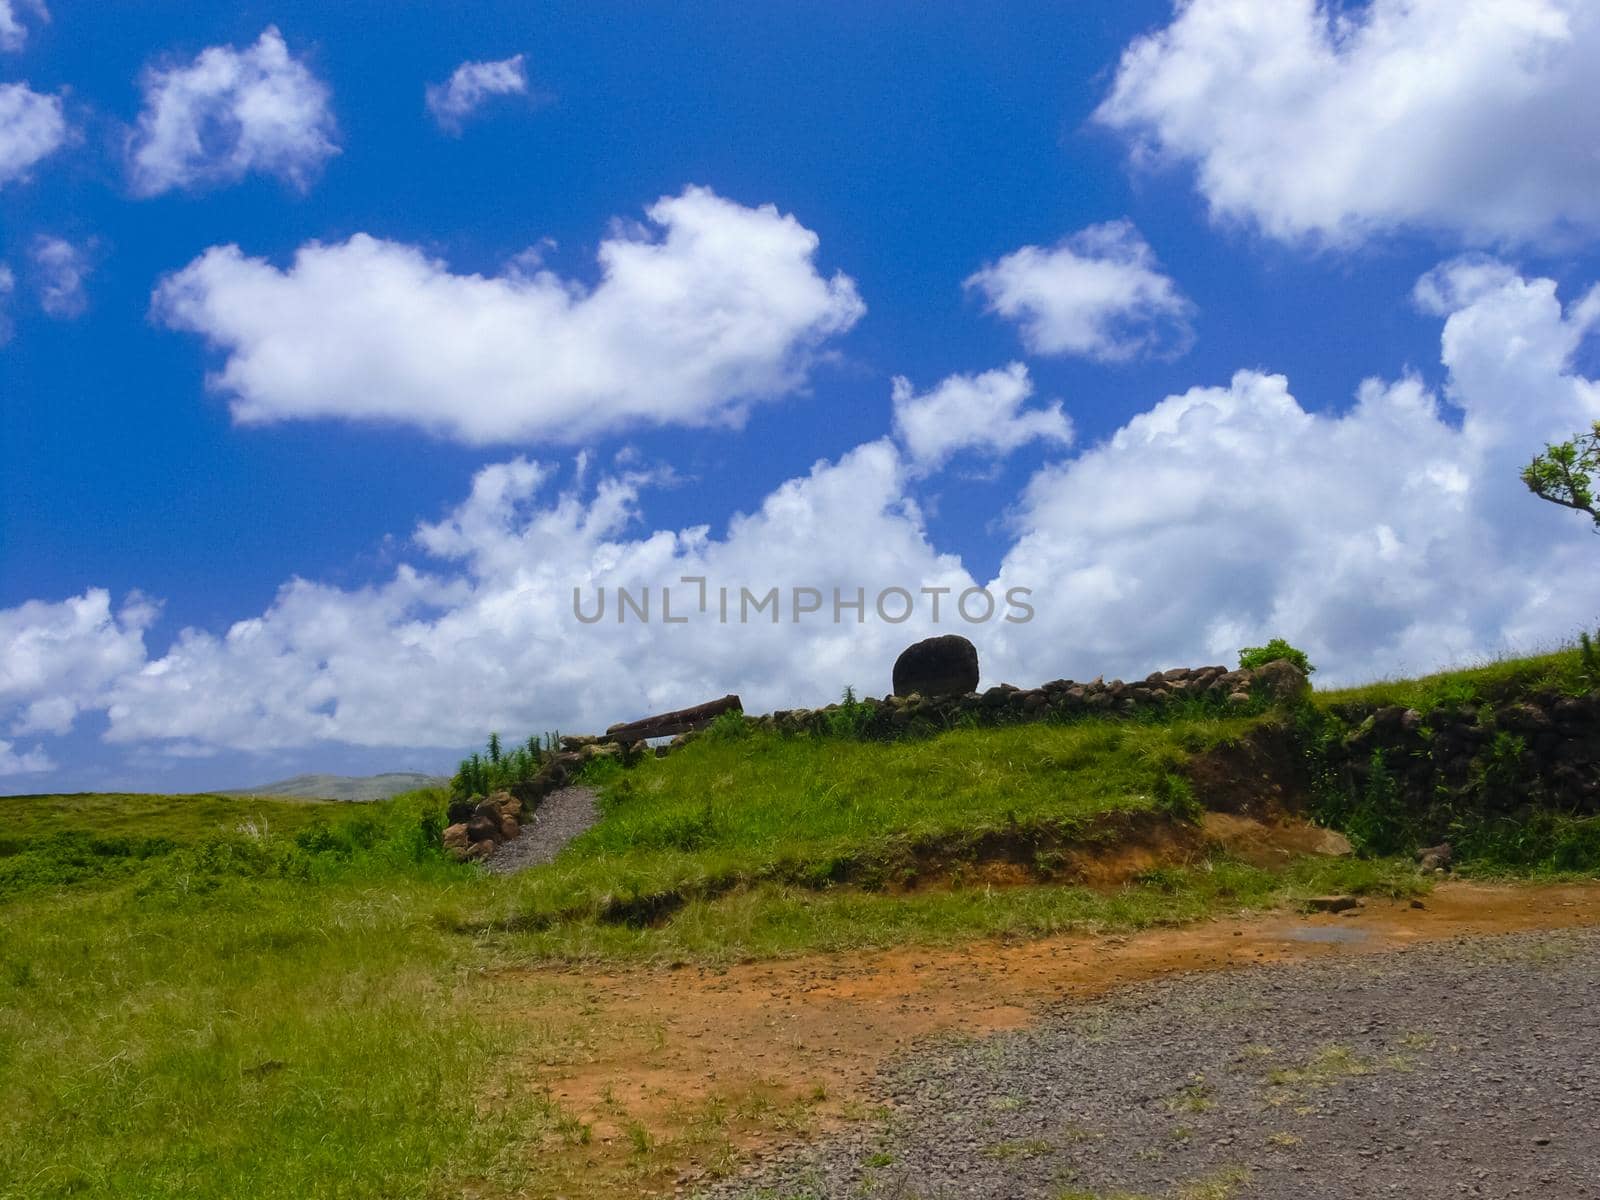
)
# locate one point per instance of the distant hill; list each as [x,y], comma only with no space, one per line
[344,787]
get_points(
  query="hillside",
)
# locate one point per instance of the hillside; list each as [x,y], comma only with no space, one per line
[344,787]
[234,995]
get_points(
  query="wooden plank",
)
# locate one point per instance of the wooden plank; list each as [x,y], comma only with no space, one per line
[684,720]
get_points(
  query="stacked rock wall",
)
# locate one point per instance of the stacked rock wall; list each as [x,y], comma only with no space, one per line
[1060,699]
[1541,750]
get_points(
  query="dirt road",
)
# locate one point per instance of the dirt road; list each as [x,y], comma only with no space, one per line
[678,1076]
[1467,1068]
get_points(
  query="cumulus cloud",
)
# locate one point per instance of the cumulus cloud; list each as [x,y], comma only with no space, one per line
[228,113]
[32,127]
[718,307]
[62,268]
[1390,536]
[1386,538]
[427,657]
[470,85]
[57,659]
[23,762]
[1098,294]
[13,33]
[973,412]
[1334,122]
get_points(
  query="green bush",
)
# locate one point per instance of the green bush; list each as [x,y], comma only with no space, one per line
[1277,650]
[850,718]
[728,727]
[480,774]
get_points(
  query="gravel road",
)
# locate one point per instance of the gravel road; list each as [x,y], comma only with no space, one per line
[560,817]
[1467,1068]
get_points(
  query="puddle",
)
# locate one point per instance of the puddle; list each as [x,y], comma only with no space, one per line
[1343,934]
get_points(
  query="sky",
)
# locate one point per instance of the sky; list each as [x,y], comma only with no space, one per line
[355,356]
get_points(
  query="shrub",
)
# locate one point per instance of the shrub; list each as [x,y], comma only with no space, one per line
[1277,650]
[850,718]
[480,774]
[728,727]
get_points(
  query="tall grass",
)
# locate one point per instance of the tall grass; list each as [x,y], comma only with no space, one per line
[244,1015]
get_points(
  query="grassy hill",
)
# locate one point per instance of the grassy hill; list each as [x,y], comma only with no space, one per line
[220,996]
[344,787]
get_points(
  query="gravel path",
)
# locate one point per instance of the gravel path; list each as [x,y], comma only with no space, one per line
[562,816]
[1468,1068]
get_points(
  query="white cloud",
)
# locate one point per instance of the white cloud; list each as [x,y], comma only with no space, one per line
[426,659]
[1098,294]
[62,268]
[228,113]
[57,659]
[979,412]
[13,33]
[32,127]
[1319,120]
[470,85]
[1384,538]
[722,308]
[28,762]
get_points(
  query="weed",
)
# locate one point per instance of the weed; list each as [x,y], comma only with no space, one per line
[1025,1148]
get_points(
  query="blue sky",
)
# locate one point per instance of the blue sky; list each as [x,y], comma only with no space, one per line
[1206,193]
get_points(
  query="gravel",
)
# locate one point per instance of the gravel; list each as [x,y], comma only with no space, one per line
[560,817]
[1466,1068]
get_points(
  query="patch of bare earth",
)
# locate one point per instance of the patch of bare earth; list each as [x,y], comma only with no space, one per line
[669,1077]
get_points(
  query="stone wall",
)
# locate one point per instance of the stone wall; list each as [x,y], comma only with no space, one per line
[1005,704]
[1541,750]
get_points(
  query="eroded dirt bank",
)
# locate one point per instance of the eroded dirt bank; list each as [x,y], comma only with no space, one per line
[669,1076]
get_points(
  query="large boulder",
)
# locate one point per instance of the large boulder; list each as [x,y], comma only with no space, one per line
[938,666]
[1281,681]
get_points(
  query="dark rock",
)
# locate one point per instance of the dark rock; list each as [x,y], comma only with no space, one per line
[483,827]
[1331,904]
[938,666]
[1435,858]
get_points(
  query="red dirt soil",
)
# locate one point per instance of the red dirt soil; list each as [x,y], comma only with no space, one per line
[803,1037]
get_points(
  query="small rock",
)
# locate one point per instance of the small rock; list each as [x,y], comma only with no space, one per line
[1331,904]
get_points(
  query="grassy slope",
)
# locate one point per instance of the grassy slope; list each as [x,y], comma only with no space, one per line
[280,1000]
[740,839]
[1561,671]
[176,818]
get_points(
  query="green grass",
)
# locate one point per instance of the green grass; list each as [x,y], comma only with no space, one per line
[173,818]
[773,921]
[729,813]
[1563,671]
[250,1016]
